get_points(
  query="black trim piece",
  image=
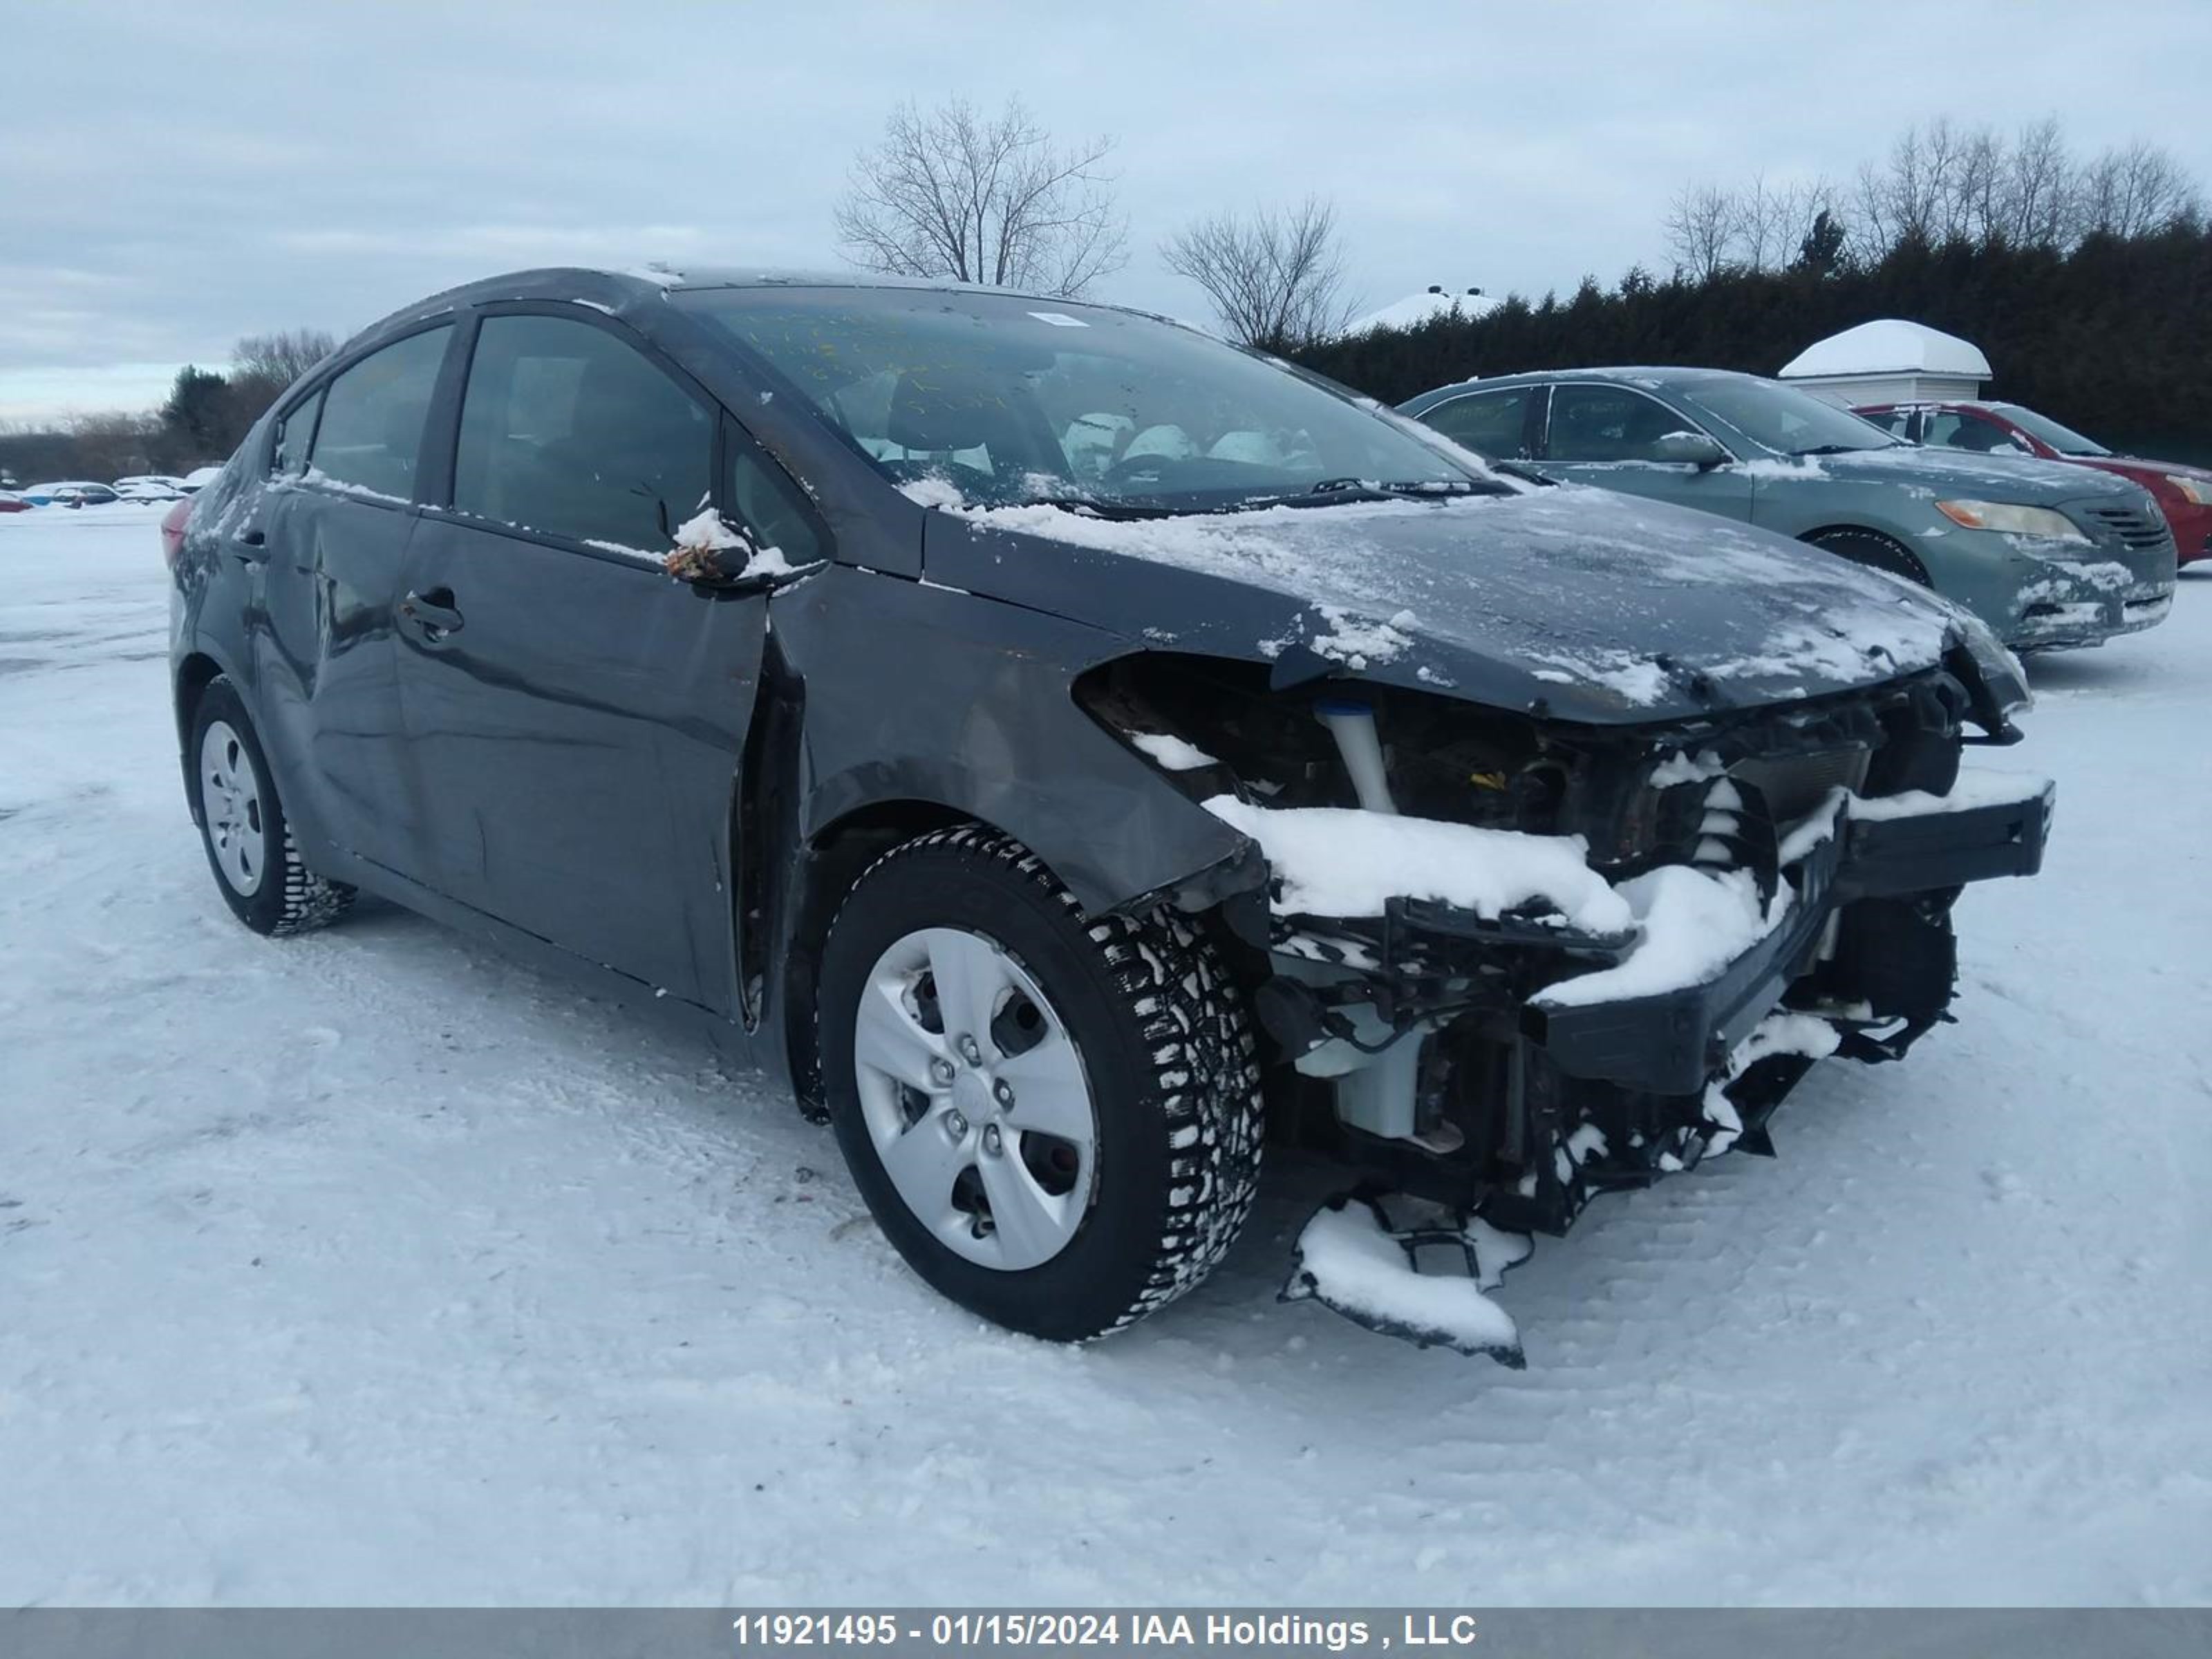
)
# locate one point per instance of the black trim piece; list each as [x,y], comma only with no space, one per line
[1673,1042]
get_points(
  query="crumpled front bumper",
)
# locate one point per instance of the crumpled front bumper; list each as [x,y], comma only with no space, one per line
[1673,1041]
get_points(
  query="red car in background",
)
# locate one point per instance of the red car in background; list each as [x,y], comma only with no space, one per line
[2182,492]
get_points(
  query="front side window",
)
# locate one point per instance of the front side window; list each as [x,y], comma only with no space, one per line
[1607,423]
[1952,429]
[370,436]
[1490,423]
[1013,400]
[1895,422]
[568,431]
[1783,418]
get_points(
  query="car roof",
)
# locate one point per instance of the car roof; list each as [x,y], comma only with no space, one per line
[612,287]
[1654,377]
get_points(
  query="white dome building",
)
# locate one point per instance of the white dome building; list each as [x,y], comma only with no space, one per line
[1417,308]
[1890,361]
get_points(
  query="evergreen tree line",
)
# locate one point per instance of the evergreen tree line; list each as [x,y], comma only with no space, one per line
[2112,336]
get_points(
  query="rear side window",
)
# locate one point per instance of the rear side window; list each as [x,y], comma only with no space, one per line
[1891,420]
[1488,422]
[567,431]
[1607,423]
[1949,430]
[371,432]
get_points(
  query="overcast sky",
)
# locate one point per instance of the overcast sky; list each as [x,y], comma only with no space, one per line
[174,176]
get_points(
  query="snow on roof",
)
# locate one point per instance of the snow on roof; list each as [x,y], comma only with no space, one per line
[1889,345]
[1416,308]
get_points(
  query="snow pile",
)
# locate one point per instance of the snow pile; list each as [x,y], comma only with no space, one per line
[1349,1262]
[1638,680]
[1340,861]
[1975,786]
[1356,641]
[932,491]
[1783,1032]
[1172,752]
[700,537]
[1768,469]
[1695,922]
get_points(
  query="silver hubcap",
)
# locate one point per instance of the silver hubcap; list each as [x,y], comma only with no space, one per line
[975,1098]
[230,796]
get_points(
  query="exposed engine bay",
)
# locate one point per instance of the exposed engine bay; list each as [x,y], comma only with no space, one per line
[1507,965]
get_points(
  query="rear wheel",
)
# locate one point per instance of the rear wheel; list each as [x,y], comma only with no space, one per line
[1055,1119]
[242,825]
[1874,549]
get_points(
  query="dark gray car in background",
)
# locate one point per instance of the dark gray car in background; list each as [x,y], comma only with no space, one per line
[2044,554]
[1061,744]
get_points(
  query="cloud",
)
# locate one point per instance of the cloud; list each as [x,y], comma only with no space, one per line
[194,174]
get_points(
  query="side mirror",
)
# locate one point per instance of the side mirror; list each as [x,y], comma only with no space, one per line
[716,559]
[1689,449]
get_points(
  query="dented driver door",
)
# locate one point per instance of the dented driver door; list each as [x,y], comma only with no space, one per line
[578,716]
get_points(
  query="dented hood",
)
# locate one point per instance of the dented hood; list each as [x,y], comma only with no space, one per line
[1573,603]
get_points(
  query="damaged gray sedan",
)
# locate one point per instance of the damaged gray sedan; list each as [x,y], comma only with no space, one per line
[1072,750]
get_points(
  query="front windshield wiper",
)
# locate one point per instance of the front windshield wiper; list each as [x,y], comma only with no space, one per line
[1100,509]
[1336,492]
[1842,449]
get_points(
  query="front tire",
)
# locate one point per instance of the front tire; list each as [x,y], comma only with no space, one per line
[247,838]
[1874,550]
[1055,1119]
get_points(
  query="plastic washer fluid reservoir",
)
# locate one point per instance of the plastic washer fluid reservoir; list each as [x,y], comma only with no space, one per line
[1351,723]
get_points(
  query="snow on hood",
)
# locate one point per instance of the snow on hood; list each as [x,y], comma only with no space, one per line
[2023,478]
[1576,603]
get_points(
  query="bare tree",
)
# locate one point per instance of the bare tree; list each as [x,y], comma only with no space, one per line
[2136,190]
[1763,237]
[951,192]
[2037,194]
[1276,278]
[282,357]
[263,365]
[1701,230]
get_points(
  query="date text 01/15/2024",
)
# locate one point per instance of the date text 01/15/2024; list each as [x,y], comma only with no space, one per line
[1018,1629]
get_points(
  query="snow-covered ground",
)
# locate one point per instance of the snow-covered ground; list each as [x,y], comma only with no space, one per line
[373,1267]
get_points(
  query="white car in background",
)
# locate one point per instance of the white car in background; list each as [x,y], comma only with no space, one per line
[149,487]
[197,476]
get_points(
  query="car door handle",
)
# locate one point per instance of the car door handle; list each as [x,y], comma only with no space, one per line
[432,612]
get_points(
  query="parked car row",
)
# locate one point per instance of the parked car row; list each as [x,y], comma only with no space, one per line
[1068,748]
[80,493]
[2046,555]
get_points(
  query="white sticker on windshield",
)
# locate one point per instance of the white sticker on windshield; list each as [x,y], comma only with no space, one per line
[1058,320]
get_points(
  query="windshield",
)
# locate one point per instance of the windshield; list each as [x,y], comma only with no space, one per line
[1010,400]
[1784,419]
[2064,439]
